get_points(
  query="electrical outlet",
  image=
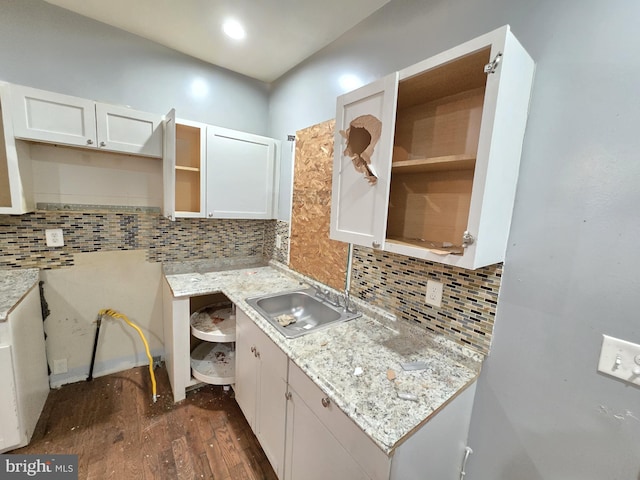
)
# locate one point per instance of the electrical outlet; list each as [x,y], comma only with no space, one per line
[60,366]
[54,237]
[620,359]
[434,293]
[278,241]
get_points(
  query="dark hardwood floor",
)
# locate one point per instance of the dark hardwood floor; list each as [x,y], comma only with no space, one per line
[118,433]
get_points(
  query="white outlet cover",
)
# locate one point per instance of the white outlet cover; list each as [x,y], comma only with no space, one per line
[60,366]
[433,296]
[55,237]
[620,359]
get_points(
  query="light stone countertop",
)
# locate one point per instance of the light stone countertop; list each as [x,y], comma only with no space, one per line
[14,285]
[373,342]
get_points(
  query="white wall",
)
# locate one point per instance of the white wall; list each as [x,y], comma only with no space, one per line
[542,411]
[123,281]
[47,47]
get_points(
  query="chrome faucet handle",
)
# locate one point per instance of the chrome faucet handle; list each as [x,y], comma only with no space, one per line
[346,300]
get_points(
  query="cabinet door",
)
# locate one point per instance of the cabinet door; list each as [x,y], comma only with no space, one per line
[312,452]
[261,372]
[271,402]
[169,165]
[9,418]
[128,131]
[364,132]
[53,117]
[16,185]
[246,367]
[241,175]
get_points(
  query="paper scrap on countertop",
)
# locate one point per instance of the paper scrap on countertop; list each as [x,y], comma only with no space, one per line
[391,375]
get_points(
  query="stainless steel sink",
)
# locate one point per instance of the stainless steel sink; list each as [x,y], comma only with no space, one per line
[300,312]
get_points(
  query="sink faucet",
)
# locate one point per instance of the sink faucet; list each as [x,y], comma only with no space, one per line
[345,295]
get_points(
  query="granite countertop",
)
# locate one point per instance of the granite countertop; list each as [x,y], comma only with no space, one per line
[373,343]
[14,285]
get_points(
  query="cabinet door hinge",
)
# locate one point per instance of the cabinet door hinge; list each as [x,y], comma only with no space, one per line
[467,239]
[493,65]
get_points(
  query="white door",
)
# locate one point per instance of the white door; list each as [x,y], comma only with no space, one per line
[128,131]
[360,194]
[240,174]
[169,165]
[53,117]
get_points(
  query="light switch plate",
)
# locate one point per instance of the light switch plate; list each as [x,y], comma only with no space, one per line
[54,237]
[620,359]
[433,296]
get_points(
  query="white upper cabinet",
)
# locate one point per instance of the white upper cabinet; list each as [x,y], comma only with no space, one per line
[124,130]
[55,118]
[427,166]
[241,175]
[216,172]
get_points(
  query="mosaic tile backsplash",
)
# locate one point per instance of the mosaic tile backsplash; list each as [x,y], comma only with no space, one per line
[392,282]
[22,239]
[398,284]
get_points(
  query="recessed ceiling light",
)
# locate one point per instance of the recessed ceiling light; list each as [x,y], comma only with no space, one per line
[349,82]
[199,88]
[233,29]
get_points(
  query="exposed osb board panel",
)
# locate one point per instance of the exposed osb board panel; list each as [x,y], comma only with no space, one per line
[312,253]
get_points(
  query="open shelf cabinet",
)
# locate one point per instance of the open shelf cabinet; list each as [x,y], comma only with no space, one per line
[445,137]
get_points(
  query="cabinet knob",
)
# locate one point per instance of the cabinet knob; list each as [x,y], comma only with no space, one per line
[326,402]
[253,350]
[288,395]
[210,214]
[375,244]
[103,144]
[89,141]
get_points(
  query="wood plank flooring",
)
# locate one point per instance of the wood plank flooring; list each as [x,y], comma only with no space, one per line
[118,433]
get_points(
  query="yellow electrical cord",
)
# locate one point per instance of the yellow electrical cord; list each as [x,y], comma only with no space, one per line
[113,314]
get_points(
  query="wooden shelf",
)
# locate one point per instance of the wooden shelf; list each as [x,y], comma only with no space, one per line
[448,162]
[187,169]
[435,247]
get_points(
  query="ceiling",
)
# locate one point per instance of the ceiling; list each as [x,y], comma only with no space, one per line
[279,33]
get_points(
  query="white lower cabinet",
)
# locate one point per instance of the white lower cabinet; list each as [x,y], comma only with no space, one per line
[24,381]
[307,437]
[322,442]
[261,386]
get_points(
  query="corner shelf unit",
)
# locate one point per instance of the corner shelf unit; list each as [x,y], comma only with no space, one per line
[213,336]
